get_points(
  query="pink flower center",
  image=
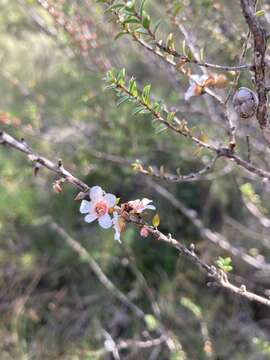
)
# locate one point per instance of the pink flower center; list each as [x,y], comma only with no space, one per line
[138,206]
[101,208]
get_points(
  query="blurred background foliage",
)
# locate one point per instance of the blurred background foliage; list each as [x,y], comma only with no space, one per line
[52,94]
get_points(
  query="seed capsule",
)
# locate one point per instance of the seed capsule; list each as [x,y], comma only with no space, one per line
[245,102]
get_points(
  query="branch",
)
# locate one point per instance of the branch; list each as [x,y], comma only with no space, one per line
[162,175]
[105,281]
[208,234]
[219,276]
[260,43]
[109,285]
[175,125]
[6,139]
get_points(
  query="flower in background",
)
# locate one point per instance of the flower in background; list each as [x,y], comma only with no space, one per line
[139,206]
[196,84]
[98,207]
[118,225]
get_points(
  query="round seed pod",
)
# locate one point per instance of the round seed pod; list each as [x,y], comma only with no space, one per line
[245,102]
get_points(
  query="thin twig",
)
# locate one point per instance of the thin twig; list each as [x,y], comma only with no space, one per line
[219,276]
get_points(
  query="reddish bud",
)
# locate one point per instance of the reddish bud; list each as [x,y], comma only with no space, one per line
[57,188]
[144,232]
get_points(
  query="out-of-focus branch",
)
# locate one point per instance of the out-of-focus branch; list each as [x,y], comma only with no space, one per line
[217,275]
[109,285]
[57,168]
[105,281]
[112,346]
[208,234]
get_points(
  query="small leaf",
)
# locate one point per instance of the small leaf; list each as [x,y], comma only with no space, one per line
[142,31]
[151,322]
[260,13]
[121,78]
[122,100]
[132,87]
[146,22]
[122,33]
[156,26]
[160,129]
[203,138]
[114,7]
[146,94]
[170,42]
[141,7]
[139,110]
[156,220]
[170,117]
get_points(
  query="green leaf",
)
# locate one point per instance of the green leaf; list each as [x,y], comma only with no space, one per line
[142,7]
[122,33]
[191,306]
[121,78]
[146,22]
[131,20]
[260,13]
[224,264]
[177,9]
[170,42]
[146,94]
[170,117]
[160,129]
[139,110]
[123,99]
[157,107]
[132,87]
[156,26]
[142,31]
[114,7]
[151,322]
[156,220]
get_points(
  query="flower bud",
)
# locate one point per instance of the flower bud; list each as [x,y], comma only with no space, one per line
[245,102]
[144,232]
[57,187]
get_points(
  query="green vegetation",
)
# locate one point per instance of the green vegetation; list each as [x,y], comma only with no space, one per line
[63,91]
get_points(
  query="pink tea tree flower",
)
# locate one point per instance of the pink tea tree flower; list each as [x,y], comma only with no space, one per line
[139,206]
[98,207]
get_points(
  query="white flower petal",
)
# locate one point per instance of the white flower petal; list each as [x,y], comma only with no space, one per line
[90,218]
[151,207]
[105,221]
[96,192]
[190,92]
[197,78]
[146,201]
[85,207]
[110,199]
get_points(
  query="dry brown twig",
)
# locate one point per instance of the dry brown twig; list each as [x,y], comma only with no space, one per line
[218,276]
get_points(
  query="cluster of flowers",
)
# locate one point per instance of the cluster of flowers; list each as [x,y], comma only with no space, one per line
[102,205]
